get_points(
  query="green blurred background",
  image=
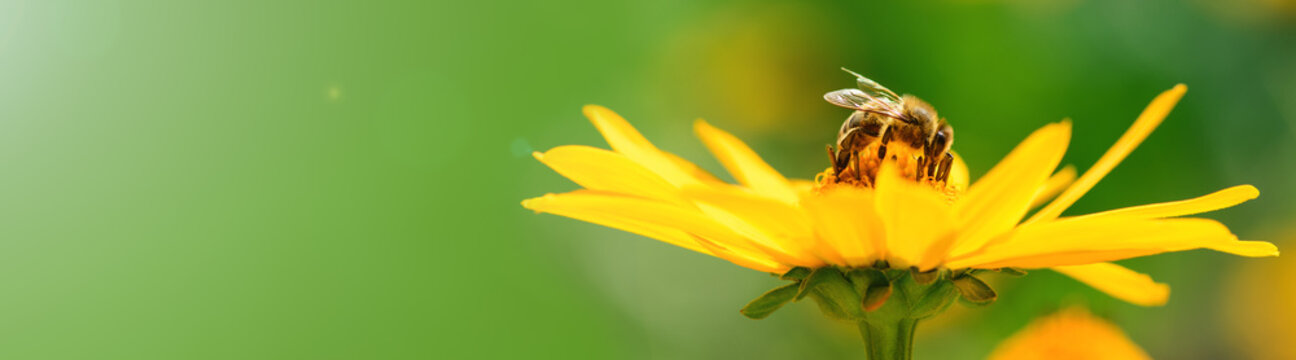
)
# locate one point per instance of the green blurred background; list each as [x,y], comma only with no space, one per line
[330,180]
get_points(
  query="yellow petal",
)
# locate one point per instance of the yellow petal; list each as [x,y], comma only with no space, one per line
[958,176]
[844,220]
[626,140]
[743,258]
[1071,334]
[598,169]
[1147,121]
[1054,185]
[681,226]
[996,202]
[580,206]
[803,186]
[635,214]
[1085,241]
[1119,282]
[1247,248]
[1210,202]
[918,220]
[744,164]
[772,223]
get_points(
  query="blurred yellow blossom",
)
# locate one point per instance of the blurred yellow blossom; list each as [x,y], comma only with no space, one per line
[1069,334]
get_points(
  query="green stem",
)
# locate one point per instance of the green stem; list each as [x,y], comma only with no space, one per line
[889,339]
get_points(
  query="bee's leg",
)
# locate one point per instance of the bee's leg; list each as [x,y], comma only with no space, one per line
[853,166]
[943,170]
[933,167]
[832,159]
[882,146]
[841,158]
[859,168]
[920,171]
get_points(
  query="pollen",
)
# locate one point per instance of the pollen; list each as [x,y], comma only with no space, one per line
[864,169]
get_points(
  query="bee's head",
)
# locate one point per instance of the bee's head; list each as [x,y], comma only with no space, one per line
[941,140]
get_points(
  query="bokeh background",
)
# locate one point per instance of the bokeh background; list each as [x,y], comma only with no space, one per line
[341,180]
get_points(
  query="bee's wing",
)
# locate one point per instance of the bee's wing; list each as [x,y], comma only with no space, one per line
[873,88]
[850,99]
[856,99]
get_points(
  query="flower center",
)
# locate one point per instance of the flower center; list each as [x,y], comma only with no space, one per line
[862,168]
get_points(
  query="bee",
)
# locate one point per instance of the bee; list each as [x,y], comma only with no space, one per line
[904,127]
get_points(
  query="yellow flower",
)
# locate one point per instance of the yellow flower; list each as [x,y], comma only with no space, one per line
[1069,334]
[769,223]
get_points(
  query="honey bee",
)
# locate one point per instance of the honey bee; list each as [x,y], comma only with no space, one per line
[904,127]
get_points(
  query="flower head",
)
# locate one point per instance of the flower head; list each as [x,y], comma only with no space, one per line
[770,223]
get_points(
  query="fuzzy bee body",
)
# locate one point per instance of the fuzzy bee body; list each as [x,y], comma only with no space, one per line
[885,126]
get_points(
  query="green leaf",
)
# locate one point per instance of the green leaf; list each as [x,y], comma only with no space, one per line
[772,300]
[974,290]
[797,273]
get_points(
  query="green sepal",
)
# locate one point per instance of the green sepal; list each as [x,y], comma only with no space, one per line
[810,282]
[876,296]
[835,294]
[797,273]
[938,298]
[873,284]
[924,277]
[828,307]
[973,290]
[772,300]
[954,274]
[1012,271]
[865,277]
[824,276]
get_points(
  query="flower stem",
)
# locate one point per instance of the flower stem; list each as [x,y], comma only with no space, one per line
[889,339]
